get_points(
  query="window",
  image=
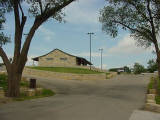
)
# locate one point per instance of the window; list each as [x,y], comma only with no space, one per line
[49,58]
[63,58]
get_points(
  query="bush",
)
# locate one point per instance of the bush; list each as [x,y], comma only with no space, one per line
[126,69]
[113,70]
[3,81]
[138,69]
[155,84]
[151,83]
[47,92]
[152,66]
[158,99]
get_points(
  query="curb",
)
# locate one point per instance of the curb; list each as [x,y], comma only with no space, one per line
[151,102]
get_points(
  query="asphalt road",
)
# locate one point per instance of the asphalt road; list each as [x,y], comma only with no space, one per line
[113,99]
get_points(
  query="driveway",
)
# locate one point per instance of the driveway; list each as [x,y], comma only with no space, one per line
[112,99]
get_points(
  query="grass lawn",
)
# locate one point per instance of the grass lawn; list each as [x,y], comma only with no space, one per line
[45,93]
[151,85]
[67,70]
[24,83]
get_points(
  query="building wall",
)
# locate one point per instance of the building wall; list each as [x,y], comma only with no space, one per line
[57,59]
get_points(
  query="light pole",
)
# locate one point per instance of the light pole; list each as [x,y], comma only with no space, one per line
[101,50]
[90,35]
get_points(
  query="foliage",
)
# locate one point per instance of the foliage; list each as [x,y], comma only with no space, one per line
[113,70]
[132,15]
[67,70]
[42,11]
[155,84]
[151,84]
[152,66]
[157,99]
[138,68]
[3,38]
[3,81]
[24,83]
[108,75]
[47,92]
[126,69]
[37,7]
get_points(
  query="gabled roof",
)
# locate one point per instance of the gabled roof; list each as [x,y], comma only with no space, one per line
[37,58]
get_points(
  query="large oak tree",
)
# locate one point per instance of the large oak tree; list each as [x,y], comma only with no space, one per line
[41,10]
[140,17]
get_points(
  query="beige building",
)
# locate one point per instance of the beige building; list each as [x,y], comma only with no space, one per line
[58,58]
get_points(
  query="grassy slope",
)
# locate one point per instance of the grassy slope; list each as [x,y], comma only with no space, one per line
[67,70]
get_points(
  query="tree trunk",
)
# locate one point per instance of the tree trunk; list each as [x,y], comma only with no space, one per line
[158,62]
[158,57]
[14,78]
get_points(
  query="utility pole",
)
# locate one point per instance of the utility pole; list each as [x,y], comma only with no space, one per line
[101,50]
[90,35]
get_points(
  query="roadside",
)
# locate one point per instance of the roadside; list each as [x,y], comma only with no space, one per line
[113,99]
[28,90]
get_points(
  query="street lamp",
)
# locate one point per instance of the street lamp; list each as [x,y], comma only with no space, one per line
[90,35]
[101,50]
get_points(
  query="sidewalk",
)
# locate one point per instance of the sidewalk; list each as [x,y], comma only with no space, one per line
[144,115]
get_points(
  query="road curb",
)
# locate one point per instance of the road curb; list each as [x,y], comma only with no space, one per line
[151,102]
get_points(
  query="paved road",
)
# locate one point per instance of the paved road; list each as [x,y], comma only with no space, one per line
[113,99]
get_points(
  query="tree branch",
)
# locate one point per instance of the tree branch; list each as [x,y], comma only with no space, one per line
[17,40]
[40,5]
[151,22]
[21,9]
[137,8]
[49,13]
[38,21]
[133,29]
[4,58]
[25,49]
[46,7]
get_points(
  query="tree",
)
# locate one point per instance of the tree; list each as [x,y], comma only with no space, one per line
[138,69]
[152,66]
[140,17]
[41,10]
[126,69]
[3,38]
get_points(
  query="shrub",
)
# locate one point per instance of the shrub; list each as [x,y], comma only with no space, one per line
[151,83]
[3,81]
[138,69]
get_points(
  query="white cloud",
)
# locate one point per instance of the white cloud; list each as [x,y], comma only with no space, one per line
[82,11]
[127,46]
[48,34]
[104,66]
[87,54]
[93,54]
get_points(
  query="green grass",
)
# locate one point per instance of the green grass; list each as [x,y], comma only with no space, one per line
[67,70]
[151,83]
[107,75]
[45,93]
[24,83]
[158,99]
[3,81]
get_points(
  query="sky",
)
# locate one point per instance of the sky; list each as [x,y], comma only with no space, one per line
[71,37]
